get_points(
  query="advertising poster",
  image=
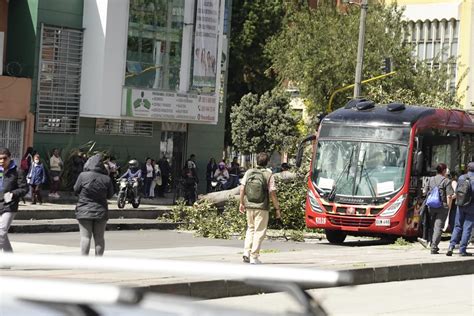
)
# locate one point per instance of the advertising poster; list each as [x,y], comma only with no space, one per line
[205,43]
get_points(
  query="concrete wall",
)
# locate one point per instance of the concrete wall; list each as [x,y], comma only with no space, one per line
[104,57]
[3,29]
[15,104]
[22,35]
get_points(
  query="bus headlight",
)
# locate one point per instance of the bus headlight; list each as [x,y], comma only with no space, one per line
[313,202]
[392,209]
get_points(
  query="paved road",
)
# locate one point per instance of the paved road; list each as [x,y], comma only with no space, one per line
[443,296]
[150,239]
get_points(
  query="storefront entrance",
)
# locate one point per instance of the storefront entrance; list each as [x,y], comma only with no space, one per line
[173,146]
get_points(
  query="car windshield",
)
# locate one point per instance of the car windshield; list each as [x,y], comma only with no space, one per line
[358,168]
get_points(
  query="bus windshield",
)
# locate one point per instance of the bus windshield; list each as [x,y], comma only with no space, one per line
[359,168]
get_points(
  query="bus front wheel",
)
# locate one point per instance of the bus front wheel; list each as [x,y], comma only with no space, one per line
[335,236]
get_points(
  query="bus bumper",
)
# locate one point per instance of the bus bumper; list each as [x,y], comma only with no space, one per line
[361,225]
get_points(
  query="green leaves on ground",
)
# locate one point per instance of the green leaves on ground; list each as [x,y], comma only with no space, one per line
[210,222]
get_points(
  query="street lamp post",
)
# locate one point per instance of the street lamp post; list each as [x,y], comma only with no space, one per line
[360,48]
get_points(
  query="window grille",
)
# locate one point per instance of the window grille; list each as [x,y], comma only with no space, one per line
[11,137]
[59,80]
[435,39]
[123,127]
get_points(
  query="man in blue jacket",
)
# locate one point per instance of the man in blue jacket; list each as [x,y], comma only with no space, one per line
[12,187]
[464,219]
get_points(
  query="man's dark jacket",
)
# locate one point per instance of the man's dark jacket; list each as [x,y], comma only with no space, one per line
[94,187]
[14,181]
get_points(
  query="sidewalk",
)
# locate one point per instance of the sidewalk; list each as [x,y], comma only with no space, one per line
[369,264]
[58,215]
[69,198]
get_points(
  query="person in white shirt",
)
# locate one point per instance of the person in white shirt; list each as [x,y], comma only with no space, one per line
[148,174]
[157,180]
[55,168]
[222,175]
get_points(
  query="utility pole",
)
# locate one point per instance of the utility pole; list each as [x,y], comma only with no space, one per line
[360,48]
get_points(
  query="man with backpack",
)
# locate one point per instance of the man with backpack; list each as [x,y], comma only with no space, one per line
[465,213]
[439,194]
[258,186]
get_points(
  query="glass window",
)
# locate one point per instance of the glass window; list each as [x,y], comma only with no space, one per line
[421,51]
[429,50]
[437,49]
[454,49]
[360,169]
[382,133]
[154,44]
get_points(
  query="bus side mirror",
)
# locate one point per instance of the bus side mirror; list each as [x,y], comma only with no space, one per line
[418,163]
[299,155]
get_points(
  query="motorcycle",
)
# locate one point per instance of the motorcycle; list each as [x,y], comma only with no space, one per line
[128,192]
[217,185]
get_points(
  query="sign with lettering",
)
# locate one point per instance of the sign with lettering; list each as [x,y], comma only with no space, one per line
[170,106]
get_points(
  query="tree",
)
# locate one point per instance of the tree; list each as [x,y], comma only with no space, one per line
[253,23]
[263,124]
[317,49]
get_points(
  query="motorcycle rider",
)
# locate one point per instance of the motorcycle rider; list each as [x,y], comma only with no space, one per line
[222,175]
[133,175]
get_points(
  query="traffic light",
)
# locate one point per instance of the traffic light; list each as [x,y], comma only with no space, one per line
[386,65]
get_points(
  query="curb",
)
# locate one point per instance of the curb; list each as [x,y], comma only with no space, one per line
[231,288]
[74,227]
[69,213]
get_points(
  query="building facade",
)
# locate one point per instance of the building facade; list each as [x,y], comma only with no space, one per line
[139,78]
[445,29]
[16,120]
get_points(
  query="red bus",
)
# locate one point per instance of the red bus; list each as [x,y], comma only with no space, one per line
[370,161]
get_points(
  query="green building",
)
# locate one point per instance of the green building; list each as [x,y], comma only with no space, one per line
[139,78]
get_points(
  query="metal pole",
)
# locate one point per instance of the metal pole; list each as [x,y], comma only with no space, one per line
[360,48]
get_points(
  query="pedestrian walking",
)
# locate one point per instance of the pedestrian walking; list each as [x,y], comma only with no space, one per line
[258,187]
[13,186]
[36,177]
[439,194]
[465,213]
[94,187]
[55,168]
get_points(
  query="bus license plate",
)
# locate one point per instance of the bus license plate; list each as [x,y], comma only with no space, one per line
[382,222]
[320,220]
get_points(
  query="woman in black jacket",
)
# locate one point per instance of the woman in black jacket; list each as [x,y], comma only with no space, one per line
[94,187]
[12,187]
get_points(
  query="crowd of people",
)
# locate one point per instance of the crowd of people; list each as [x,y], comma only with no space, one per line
[446,196]
[443,209]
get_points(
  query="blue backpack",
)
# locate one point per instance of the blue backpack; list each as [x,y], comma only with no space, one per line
[434,198]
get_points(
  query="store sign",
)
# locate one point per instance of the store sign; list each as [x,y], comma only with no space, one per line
[205,43]
[170,106]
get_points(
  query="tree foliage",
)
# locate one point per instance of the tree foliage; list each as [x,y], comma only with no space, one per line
[253,22]
[317,49]
[263,123]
